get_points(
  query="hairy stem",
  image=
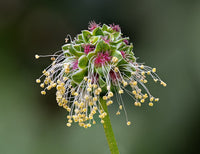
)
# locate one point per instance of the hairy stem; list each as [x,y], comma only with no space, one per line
[108,130]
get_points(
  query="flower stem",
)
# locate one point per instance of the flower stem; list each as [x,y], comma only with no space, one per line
[108,130]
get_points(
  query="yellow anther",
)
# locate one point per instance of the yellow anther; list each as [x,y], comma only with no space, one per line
[81,104]
[120,107]
[68,109]
[68,124]
[76,102]
[139,104]
[135,83]
[142,100]
[148,73]
[142,66]
[38,81]
[75,94]
[105,97]
[116,69]
[37,56]
[89,80]
[150,104]
[49,87]
[110,94]
[84,110]
[163,83]
[154,70]
[134,92]
[46,74]
[95,85]
[155,80]
[43,92]
[121,91]
[85,126]
[141,80]
[85,78]
[143,73]
[145,81]
[69,117]
[128,123]
[151,99]
[42,85]
[102,121]
[89,125]
[133,73]
[91,103]
[118,113]
[114,59]
[94,122]
[109,102]
[53,58]
[125,83]
[136,103]
[65,78]
[95,99]
[70,121]
[86,97]
[44,71]
[89,89]
[99,89]
[156,99]
[145,96]
[90,85]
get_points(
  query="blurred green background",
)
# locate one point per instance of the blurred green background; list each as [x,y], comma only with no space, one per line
[165,34]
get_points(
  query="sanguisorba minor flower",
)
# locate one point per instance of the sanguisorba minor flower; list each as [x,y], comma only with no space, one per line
[98,64]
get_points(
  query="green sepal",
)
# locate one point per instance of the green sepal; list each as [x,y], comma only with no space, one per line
[98,31]
[73,84]
[117,35]
[91,54]
[86,36]
[66,47]
[122,62]
[102,46]
[101,71]
[116,53]
[119,41]
[78,76]
[74,52]
[83,62]
[105,28]
[102,83]
[77,47]
[93,40]
[80,36]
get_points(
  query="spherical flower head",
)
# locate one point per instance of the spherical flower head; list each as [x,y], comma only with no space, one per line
[98,64]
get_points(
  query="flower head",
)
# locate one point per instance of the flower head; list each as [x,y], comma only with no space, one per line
[90,67]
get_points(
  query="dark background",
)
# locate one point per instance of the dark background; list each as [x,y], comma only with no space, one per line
[165,34]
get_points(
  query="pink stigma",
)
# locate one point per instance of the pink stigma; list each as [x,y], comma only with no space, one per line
[123,54]
[125,41]
[88,48]
[114,76]
[106,39]
[102,58]
[115,27]
[93,25]
[75,64]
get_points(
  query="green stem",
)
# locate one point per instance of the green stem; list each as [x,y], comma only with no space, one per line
[108,130]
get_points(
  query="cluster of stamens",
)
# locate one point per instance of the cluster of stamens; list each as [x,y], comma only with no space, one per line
[84,72]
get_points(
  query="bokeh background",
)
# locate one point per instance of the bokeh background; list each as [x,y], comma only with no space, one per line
[165,34]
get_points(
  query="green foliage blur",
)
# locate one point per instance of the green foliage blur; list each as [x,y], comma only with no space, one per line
[165,34]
